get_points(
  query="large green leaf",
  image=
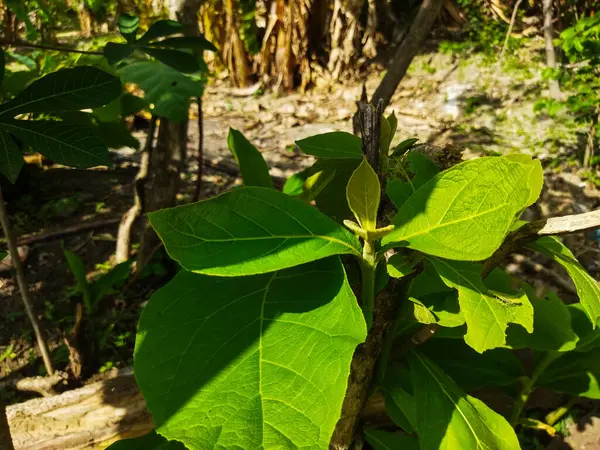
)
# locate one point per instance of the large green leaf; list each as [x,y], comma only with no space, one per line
[587,288]
[337,145]
[164,87]
[150,441]
[423,169]
[176,59]
[11,158]
[65,90]
[252,362]
[191,42]
[115,52]
[363,194]
[465,212]
[253,167]
[63,143]
[552,329]
[384,440]
[472,370]
[449,419]
[331,199]
[399,401]
[574,373]
[486,313]
[159,29]
[249,230]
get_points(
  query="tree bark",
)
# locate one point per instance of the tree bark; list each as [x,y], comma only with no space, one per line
[405,53]
[139,195]
[167,162]
[550,51]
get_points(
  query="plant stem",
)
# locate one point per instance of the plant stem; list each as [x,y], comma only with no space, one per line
[23,288]
[529,384]
[368,267]
[554,416]
[49,47]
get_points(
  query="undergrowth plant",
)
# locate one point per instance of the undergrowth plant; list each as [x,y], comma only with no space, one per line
[287,317]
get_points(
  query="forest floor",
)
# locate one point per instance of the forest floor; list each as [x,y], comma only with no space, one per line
[446,98]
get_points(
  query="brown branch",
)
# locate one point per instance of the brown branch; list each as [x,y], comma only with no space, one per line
[67,231]
[200,154]
[509,31]
[553,226]
[47,47]
[362,368]
[129,218]
[23,286]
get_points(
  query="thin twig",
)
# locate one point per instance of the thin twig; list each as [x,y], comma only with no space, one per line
[200,172]
[48,47]
[23,287]
[67,231]
[509,31]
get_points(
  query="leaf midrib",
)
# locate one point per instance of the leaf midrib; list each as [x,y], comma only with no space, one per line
[55,95]
[442,387]
[59,142]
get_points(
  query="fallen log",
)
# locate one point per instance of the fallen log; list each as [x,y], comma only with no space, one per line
[90,417]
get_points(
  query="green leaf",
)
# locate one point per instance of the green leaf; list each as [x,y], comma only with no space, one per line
[393,123]
[423,169]
[465,212]
[404,146]
[535,177]
[261,362]
[249,230]
[552,329]
[398,266]
[385,136]
[2,65]
[65,90]
[78,269]
[159,29]
[131,104]
[198,43]
[589,337]
[150,441]
[384,440]
[164,87]
[11,158]
[178,60]
[128,26]
[574,373]
[363,195]
[315,184]
[336,145]
[472,370]
[447,418]
[112,279]
[115,52]
[486,313]
[587,288]
[399,401]
[117,135]
[253,167]
[62,142]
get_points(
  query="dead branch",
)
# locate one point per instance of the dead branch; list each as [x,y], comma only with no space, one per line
[509,31]
[553,226]
[67,231]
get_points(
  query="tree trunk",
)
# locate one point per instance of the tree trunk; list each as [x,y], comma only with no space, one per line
[139,196]
[167,162]
[550,51]
[7,24]
[169,155]
[405,53]
[591,142]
